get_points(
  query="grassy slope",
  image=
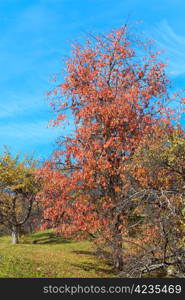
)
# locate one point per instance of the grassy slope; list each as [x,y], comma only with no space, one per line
[45,255]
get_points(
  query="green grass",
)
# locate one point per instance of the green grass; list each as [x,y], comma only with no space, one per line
[44,254]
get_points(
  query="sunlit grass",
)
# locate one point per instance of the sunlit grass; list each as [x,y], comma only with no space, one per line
[44,254]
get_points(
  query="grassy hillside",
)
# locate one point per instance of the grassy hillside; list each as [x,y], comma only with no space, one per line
[44,254]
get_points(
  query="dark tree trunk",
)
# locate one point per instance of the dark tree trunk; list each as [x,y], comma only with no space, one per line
[117,245]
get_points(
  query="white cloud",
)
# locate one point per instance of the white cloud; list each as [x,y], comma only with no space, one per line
[33,131]
[12,105]
[173,45]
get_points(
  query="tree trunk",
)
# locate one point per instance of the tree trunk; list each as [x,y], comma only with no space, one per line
[30,228]
[15,235]
[117,246]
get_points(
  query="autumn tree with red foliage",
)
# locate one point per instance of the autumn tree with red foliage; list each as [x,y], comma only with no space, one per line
[116,88]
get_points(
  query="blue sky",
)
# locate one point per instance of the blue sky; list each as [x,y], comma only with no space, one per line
[36,34]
